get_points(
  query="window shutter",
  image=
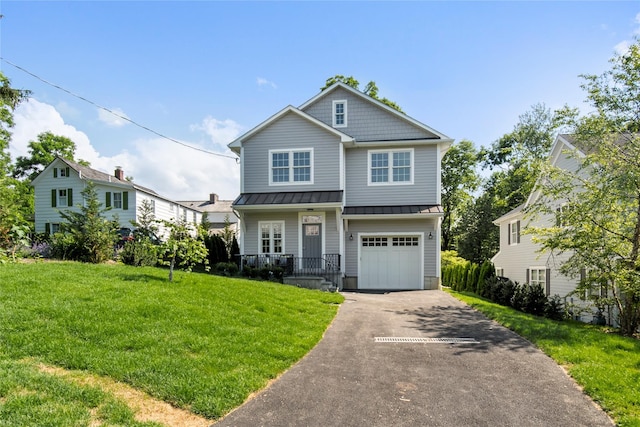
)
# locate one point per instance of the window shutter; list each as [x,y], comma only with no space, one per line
[125,200]
[548,282]
[509,234]
[53,198]
[526,277]
[69,197]
[67,174]
[583,275]
[107,200]
[47,228]
[518,232]
[55,172]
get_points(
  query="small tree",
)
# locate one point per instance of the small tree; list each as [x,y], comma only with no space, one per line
[91,235]
[181,248]
[227,236]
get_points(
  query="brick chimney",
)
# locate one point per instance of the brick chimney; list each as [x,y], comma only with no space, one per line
[213,198]
[119,173]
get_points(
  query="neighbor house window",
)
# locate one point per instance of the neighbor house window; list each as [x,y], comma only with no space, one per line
[291,166]
[499,271]
[390,167]
[514,232]
[62,198]
[271,237]
[61,172]
[117,200]
[561,215]
[340,113]
[537,276]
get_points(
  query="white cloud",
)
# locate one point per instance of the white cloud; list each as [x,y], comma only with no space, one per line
[622,48]
[113,120]
[264,82]
[221,132]
[174,171]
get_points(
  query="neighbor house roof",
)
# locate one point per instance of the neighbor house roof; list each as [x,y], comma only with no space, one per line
[217,210]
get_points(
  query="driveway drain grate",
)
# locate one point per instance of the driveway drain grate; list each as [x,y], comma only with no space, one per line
[426,340]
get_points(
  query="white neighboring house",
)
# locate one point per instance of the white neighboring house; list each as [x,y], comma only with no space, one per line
[518,258]
[217,211]
[58,188]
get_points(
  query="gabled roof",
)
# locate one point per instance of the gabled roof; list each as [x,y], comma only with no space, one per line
[379,104]
[237,143]
[511,214]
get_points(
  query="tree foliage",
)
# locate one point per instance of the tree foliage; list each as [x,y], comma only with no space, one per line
[370,89]
[181,248]
[13,218]
[599,228]
[459,180]
[42,152]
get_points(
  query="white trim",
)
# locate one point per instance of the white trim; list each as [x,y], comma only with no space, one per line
[241,170]
[392,234]
[290,152]
[334,113]
[544,279]
[510,231]
[390,153]
[281,222]
[323,234]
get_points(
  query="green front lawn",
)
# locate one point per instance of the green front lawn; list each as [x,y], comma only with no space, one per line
[605,364]
[203,342]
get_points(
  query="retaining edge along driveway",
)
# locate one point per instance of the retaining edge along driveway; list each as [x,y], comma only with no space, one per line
[492,378]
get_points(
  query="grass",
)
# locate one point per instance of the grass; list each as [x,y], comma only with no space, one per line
[605,364]
[203,342]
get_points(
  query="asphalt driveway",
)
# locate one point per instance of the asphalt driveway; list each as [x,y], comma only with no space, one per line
[349,379]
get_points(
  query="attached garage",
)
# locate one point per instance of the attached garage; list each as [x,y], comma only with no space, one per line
[391,262]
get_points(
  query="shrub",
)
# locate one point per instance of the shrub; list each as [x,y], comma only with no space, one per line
[555,309]
[139,253]
[271,272]
[226,268]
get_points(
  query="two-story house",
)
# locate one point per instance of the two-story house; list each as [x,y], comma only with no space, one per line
[345,183]
[519,257]
[58,187]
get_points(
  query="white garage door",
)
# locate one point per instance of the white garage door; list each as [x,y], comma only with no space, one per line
[390,262]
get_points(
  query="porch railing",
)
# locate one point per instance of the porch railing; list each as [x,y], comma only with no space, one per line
[326,266]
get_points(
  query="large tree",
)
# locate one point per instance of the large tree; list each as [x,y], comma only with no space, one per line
[13,221]
[42,152]
[459,180]
[599,227]
[370,89]
[515,159]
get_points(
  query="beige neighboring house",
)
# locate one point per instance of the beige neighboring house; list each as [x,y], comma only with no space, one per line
[217,211]
[58,188]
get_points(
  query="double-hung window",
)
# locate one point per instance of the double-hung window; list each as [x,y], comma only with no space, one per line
[340,113]
[117,200]
[291,166]
[514,232]
[62,198]
[537,276]
[391,167]
[271,237]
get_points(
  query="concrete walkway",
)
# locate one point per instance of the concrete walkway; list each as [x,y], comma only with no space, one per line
[350,380]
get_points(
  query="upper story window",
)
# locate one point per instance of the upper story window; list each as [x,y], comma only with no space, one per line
[117,200]
[514,232]
[61,172]
[291,166]
[62,198]
[340,113]
[391,167]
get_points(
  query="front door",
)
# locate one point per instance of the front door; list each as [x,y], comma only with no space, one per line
[312,245]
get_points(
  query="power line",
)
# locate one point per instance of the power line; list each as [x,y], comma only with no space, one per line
[114,113]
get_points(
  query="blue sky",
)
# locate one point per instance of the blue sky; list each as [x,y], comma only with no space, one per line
[205,72]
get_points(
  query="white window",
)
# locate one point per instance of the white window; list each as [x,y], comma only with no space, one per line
[55,227]
[184,215]
[404,241]
[271,237]
[374,241]
[62,198]
[561,215]
[514,232]
[390,167]
[340,113]
[291,166]
[499,271]
[117,200]
[63,172]
[538,276]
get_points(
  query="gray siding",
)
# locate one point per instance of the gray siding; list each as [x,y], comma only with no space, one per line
[291,231]
[393,226]
[365,121]
[423,191]
[291,131]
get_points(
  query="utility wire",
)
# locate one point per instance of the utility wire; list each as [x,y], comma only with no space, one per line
[116,114]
